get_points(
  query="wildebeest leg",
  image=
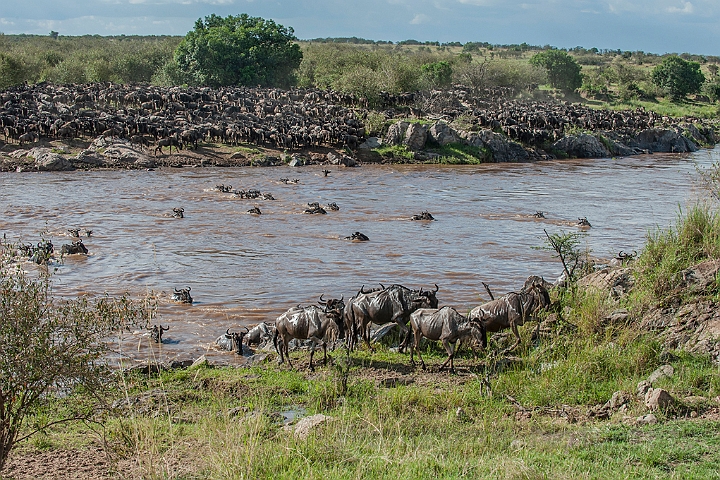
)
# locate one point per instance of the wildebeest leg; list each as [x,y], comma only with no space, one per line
[286,348]
[278,348]
[414,346]
[450,349]
[514,327]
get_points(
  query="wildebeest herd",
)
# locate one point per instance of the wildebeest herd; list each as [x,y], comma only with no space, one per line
[395,305]
[172,117]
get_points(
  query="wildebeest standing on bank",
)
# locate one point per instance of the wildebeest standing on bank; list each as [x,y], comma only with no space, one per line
[446,325]
[392,304]
[305,323]
[511,311]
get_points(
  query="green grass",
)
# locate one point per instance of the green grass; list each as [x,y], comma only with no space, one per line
[400,152]
[459,154]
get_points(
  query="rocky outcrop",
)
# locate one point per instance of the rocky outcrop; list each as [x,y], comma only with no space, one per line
[442,134]
[501,149]
[664,141]
[581,146]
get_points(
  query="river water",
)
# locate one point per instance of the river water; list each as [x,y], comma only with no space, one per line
[245,268]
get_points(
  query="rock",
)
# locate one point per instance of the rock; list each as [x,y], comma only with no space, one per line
[256,359]
[616,280]
[305,426]
[370,143]
[53,162]
[415,136]
[694,400]
[502,149]
[396,133]
[296,162]
[617,400]
[658,399]
[88,157]
[237,156]
[657,140]
[700,276]
[648,419]
[264,161]
[642,388]
[582,146]
[442,134]
[180,364]
[664,371]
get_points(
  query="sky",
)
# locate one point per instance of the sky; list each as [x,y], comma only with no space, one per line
[652,26]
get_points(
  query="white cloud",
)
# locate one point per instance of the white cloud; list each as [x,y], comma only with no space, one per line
[687,8]
[478,3]
[419,18]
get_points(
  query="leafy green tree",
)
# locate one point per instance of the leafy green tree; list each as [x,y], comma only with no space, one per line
[437,74]
[678,77]
[562,69]
[239,50]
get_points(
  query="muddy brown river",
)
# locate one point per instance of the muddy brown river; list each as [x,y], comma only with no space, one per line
[246,268]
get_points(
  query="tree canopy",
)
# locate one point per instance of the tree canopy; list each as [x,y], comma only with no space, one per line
[678,77]
[239,50]
[562,69]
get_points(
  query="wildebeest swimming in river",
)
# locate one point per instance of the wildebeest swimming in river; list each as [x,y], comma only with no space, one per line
[255,211]
[74,249]
[358,237]
[425,215]
[583,222]
[156,333]
[315,208]
[178,213]
[182,295]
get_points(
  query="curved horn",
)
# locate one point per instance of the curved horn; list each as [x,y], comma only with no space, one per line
[246,329]
[436,288]
[321,301]
[176,290]
[164,329]
[362,289]
[342,298]
[227,332]
[382,286]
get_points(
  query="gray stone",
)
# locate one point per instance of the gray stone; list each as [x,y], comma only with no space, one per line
[201,362]
[502,149]
[53,162]
[658,399]
[667,141]
[296,162]
[617,400]
[88,157]
[648,419]
[416,136]
[396,133]
[370,143]
[582,146]
[305,426]
[442,134]
[664,371]
[643,387]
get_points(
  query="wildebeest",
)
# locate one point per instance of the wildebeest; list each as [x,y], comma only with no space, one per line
[392,304]
[74,248]
[156,332]
[333,206]
[182,295]
[41,252]
[446,325]
[314,207]
[583,222]
[358,237]
[74,232]
[305,323]
[232,340]
[425,215]
[178,213]
[539,214]
[167,142]
[511,310]
[255,211]
[260,333]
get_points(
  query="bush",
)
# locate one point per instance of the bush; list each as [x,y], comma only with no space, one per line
[50,346]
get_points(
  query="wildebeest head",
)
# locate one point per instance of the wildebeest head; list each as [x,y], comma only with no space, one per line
[334,308]
[156,332]
[427,297]
[237,339]
[182,295]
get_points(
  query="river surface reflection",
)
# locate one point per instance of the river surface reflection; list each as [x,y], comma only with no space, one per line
[245,268]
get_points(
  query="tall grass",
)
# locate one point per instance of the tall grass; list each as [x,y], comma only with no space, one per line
[694,237]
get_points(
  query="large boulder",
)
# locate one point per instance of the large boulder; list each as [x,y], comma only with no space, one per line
[502,149]
[396,133]
[442,134]
[582,146]
[664,141]
[52,162]
[416,136]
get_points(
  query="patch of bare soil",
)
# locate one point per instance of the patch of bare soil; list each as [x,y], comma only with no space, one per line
[60,464]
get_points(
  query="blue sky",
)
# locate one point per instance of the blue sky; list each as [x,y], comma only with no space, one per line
[655,26]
